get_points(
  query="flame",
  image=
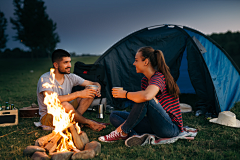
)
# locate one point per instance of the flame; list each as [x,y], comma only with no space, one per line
[47,85]
[61,119]
[77,128]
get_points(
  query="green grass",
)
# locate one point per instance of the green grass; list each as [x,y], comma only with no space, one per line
[18,85]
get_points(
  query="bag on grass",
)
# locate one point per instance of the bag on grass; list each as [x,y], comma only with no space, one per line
[91,72]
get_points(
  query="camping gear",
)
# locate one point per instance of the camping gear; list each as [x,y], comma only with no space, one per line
[188,133]
[100,111]
[97,101]
[29,112]
[95,87]
[8,117]
[91,72]
[197,63]
[185,108]
[226,118]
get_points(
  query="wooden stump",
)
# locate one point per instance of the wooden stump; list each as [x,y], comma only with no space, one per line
[80,140]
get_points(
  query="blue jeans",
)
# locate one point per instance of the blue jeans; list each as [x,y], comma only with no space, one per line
[147,117]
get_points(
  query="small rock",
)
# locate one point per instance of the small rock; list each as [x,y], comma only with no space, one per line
[86,154]
[40,156]
[29,150]
[94,145]
[62,155]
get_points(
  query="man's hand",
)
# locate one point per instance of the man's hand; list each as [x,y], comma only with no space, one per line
[98,90]
[87,93]
[86,82]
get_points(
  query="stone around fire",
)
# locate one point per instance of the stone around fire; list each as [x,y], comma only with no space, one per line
[40,156]
[94,145]
[29,150]
[62,155]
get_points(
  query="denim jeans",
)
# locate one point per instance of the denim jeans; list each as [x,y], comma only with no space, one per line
[147,117]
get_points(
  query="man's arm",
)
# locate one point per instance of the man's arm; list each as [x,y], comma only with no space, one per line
[86,93]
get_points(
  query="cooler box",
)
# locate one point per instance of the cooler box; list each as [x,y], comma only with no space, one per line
[8,117]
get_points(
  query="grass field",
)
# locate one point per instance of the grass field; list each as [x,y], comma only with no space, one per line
[18,85]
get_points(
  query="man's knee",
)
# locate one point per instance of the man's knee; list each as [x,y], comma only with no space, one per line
[67,106]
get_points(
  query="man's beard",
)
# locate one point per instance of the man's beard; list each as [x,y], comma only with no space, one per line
[62,71]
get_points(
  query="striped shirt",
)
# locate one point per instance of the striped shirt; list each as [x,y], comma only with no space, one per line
[169,103]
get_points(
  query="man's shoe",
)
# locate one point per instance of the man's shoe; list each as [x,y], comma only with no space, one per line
[136,140]
[113,136]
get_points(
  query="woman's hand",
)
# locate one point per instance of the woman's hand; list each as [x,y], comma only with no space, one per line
[118,93]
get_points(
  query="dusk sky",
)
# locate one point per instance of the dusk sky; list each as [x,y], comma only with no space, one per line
[93,26]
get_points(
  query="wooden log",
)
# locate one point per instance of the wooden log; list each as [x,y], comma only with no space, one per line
[84,138]
[41,142]
[52,144]
[79,139]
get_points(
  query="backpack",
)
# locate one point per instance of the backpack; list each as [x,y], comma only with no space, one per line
[91,72]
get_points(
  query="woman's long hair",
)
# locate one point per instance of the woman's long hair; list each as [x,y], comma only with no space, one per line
[157,61]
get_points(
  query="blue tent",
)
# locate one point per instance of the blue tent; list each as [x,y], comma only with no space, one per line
[197,63]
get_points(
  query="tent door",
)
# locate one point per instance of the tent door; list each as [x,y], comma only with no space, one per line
[183,81]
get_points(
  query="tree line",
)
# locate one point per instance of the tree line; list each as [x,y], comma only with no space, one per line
[230,42]
[33,28]
[37,31]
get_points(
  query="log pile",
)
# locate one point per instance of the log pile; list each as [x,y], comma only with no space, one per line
[47,146]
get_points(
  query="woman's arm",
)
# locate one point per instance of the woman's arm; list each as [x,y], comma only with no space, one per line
[140,96]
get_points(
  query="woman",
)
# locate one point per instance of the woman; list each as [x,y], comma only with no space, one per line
[156,109]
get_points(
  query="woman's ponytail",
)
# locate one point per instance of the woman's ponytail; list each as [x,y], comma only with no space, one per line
[157,61]
[172,87]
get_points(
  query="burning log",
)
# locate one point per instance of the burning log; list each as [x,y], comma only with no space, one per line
[52,144]
[79,139]
[41,142]
[66,136]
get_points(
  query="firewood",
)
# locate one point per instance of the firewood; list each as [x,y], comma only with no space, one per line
[41,142]
[51,146]
[79,139]
[84,138]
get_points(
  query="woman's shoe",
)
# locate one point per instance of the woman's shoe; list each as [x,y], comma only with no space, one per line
[113,136]
[136,140]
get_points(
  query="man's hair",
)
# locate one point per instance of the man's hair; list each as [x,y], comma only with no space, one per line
[59,54]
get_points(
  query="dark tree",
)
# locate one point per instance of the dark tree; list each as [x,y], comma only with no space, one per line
[34,27]
[3,26]
[230,42]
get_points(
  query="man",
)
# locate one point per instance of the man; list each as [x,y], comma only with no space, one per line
[78,101]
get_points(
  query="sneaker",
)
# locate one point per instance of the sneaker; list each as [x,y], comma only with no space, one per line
[136,140]
[113,136]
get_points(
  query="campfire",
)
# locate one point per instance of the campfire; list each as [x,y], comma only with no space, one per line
[67,139]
